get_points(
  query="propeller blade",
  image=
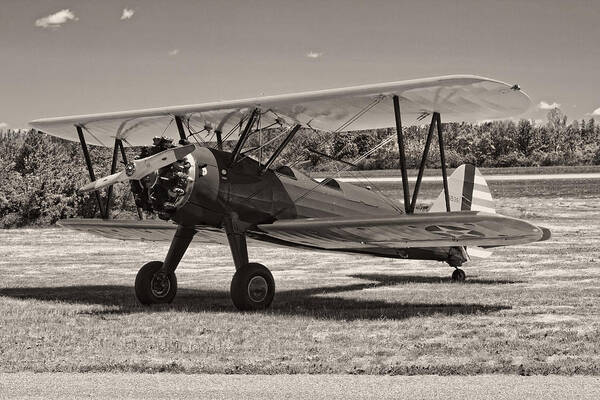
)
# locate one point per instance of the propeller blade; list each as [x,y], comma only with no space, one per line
[138,169]
[106,181]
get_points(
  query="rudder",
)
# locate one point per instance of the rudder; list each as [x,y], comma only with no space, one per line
[468,191]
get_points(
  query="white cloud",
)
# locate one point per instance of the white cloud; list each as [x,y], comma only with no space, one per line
[596,112]
[127,13]
[55,21]
[3,125]
[313,54]
[174,52]
[548,106]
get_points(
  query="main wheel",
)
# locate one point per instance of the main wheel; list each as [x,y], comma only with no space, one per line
[458,275]
[252,287]
[152,286]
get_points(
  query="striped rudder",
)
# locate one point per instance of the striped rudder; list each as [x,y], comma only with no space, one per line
[468,191]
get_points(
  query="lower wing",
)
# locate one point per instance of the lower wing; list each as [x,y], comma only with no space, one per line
[464,228]
[146,230]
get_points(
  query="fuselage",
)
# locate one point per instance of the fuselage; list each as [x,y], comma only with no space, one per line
[219,188]
[259,198]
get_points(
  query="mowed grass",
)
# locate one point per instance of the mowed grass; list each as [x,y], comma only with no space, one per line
[530,190]
[67,304]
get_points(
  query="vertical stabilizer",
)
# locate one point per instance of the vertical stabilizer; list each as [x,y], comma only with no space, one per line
[468,191]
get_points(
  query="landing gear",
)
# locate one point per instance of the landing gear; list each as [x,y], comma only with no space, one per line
[458,275]
[252,287]
[154,286]
[155,282]
[456,257]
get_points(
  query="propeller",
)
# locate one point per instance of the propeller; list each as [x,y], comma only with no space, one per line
[137,169]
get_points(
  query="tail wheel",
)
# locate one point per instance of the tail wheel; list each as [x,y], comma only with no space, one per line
[252,288]
[153,286]
[458,275]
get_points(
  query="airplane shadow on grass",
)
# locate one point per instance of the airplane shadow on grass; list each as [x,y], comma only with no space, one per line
[318,302]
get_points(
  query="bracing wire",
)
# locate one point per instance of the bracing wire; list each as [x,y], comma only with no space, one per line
[247,152]
[167,127]
[351,120]
[236,126]
[362,112]
[354,161]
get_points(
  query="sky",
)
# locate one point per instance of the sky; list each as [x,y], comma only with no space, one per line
[65,57]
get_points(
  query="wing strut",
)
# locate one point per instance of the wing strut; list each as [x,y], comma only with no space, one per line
[88,162]
[405,188]
[282,146]
[219,139]
[119,142]
[113,169]
[180,129]
[442,159]
[118,147]
[413,204]
[436,122]
[242,140]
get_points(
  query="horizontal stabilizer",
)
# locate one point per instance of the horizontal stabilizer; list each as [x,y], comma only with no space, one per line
[478,252]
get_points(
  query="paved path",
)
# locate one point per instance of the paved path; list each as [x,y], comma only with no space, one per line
[489,178]
[163,386]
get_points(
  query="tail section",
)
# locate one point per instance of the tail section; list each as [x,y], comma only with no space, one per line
[468,191]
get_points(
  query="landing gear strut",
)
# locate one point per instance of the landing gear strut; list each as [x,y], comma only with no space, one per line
[457,256]
[156,282]
[252,286]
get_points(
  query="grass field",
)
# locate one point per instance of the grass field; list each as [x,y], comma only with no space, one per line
[67,304]
[530,190]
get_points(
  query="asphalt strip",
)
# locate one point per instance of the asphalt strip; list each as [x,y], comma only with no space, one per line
[29,385]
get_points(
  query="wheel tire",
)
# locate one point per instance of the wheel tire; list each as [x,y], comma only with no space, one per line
[152,287]
[458,275]
[252,288]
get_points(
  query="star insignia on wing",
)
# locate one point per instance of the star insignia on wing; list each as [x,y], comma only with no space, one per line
[454,232]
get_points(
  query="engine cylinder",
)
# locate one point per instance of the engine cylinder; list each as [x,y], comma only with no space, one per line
[165,190]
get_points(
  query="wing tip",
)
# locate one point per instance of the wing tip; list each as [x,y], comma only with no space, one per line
[546,234]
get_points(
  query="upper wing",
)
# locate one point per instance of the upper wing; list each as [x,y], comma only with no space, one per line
[464,228]
[455,97]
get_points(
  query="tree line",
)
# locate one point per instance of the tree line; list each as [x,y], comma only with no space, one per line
[40,174]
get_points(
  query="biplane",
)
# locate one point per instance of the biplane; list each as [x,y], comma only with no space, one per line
[205,193]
